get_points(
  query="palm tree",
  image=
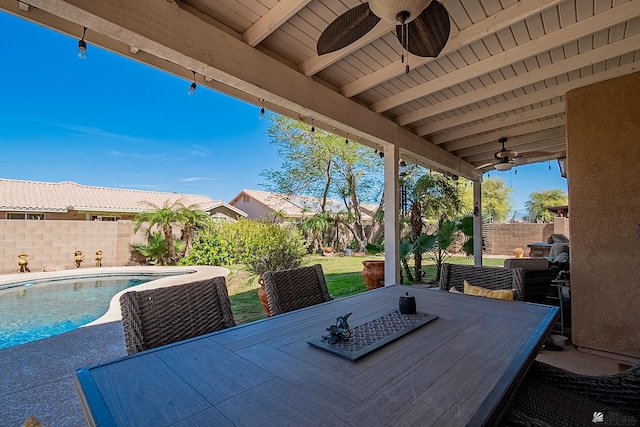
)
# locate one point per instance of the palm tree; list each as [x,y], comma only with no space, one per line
[164,217]
[192,220]
[437,198]
[278,215]
[155,250]
[318,225]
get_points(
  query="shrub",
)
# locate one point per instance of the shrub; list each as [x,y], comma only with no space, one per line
[155,250]
[253,243]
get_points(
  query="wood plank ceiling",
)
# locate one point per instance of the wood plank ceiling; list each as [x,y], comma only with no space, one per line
[504,71]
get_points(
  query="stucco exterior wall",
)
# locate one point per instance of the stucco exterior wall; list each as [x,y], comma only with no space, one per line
[53,242]
[603,150]
[253,208]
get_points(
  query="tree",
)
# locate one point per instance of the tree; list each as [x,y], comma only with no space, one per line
[323,165]
[317,225]
[496,199]
[192,219]
[434,198]
[164,217]
[307,159]
[540,200]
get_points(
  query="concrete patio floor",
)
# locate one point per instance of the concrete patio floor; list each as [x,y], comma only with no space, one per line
[38,377]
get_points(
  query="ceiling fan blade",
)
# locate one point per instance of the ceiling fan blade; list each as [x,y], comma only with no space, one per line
[347,28]
[486,165]
[510,154]
[535,154]
[428,33]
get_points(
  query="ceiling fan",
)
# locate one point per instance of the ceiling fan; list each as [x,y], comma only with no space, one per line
[422,25]
[506,159]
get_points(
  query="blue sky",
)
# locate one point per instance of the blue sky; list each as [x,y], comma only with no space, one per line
[110,121]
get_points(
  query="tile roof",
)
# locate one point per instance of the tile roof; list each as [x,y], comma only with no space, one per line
[293,206]
[34,196]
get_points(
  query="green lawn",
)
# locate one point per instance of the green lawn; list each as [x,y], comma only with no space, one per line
[343,275]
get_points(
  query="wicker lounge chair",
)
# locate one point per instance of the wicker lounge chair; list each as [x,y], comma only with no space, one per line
[156,317]
[454,275]
[551,396]
[289,290]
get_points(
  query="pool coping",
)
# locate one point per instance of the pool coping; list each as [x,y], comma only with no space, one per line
[192,273]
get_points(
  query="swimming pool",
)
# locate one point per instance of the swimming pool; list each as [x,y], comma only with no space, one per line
[39,309]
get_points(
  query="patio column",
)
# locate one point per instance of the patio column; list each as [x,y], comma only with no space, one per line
[477,223]
[391,216]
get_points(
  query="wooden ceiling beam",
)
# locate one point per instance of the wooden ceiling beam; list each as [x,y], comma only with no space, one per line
[512,119]
[272,20]
[509,133]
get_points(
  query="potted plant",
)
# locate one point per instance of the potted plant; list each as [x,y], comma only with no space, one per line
[373,270]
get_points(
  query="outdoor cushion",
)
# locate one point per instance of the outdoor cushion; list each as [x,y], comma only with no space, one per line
[505,294]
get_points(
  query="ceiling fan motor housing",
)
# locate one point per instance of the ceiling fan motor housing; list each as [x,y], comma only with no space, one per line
[389,10]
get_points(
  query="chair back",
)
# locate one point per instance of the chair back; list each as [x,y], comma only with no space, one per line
[454,275]
[296,288]
[156,317]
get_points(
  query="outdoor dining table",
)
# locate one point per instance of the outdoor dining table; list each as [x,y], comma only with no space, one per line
[460,368]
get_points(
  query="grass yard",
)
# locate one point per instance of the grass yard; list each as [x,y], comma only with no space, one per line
[343,275]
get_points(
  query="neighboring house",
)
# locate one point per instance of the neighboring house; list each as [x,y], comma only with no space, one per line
[267,205]
[70,201]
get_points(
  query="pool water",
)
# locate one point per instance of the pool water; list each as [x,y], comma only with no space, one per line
[34,310]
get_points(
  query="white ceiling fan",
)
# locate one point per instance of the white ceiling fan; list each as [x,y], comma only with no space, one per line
[506,159]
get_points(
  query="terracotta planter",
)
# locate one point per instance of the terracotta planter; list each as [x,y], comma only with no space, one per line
[262,295]
[373,274]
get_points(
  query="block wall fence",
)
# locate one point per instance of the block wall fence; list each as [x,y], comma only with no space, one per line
[53,242]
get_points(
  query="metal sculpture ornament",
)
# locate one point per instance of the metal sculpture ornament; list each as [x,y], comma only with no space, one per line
[338,332]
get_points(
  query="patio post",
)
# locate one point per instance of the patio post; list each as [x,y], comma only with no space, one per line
[477,222]
[391,216]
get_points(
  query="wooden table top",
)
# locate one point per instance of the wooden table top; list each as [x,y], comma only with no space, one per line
[459,369]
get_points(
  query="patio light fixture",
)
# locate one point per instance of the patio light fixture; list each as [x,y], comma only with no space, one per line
[262,111]
[82,46]
[562,164]
[402,168]
[192,88]
[504,165]
[346,140]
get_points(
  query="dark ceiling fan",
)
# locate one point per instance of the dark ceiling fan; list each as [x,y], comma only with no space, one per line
[423,25]
[506,159]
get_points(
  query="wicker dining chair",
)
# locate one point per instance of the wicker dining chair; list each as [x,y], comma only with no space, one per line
[551,396]
[296,288]
[155,317]
[454,275]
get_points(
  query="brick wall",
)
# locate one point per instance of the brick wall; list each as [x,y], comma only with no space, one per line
[53,242]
